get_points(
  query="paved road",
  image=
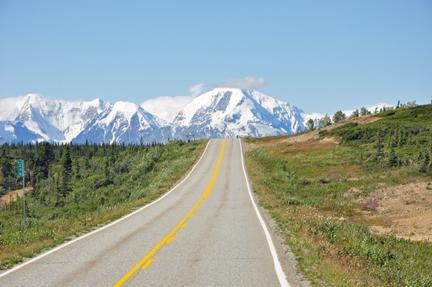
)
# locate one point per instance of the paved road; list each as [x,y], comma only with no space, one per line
[185,239]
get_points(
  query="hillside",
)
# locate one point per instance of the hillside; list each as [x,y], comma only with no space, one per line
[354,199]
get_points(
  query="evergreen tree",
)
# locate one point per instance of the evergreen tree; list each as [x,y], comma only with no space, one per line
[45,158]
[77,169]
[425,163]
[390,142]
[379,143]
[430,145]
[399,138]
[33,179]
[106,171]
[5,165]
[366,134]
[87,164]
[392,159]
[57,188]
[66,161]
[112,158]
[66,170]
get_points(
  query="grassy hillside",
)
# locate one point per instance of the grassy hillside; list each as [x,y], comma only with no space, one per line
[97,184]
[333,197]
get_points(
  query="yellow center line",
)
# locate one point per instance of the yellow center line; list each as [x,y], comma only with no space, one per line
[180,225]
[147,263]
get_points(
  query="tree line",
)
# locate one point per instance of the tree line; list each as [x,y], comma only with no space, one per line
[340,116]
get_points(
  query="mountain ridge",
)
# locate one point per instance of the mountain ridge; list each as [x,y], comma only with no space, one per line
[222,112]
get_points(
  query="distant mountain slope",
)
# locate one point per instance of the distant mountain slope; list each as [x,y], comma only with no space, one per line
[121,122]
[54,120]
[222,112]
[230,112]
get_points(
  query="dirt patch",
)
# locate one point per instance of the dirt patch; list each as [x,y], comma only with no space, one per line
[404,209]
[6,198]
[329,140]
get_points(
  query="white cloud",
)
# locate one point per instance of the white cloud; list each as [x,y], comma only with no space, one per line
[196,90]
[166,107]
[244,84]
[315,116]
[9,108]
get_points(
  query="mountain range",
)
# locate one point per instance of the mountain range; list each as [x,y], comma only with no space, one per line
[220,113]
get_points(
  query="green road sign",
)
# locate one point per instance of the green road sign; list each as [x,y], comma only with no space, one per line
[20,168]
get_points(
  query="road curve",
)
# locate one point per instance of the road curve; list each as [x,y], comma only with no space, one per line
[204,233]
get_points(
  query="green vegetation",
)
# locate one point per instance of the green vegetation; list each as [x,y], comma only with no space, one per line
[313,189]
[77,187]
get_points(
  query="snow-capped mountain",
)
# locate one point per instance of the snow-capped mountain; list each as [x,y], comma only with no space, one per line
[222,112]
[121,122]
[225,112]
[34,117]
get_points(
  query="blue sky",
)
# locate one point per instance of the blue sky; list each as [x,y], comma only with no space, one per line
[319,55]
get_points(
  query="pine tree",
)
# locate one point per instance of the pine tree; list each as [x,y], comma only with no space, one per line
[107,171]
[66,170]
[390,142]
[45,158]
[425,163]
[33,179]
[430,145]
[66,161]
[396,137]
[379,143]
[87,164]
[112,158]
[366,134]
[77,169]
[57,188]
[400,138]
[5,165]
[392,159]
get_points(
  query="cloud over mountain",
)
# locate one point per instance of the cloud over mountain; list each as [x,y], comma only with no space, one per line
[245,84]
[166,107]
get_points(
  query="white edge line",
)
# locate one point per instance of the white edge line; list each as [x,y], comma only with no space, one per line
[106,226]
[278,268]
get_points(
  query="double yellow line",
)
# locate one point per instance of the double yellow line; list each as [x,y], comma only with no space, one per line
[169,237]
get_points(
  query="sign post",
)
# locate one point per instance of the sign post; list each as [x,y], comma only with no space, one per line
[21,173]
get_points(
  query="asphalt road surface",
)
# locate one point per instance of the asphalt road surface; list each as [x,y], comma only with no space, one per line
[206,232]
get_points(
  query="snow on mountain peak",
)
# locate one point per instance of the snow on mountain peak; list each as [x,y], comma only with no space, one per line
[222,112]
[229,112]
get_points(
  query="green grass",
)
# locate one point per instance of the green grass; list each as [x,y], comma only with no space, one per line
[305,187]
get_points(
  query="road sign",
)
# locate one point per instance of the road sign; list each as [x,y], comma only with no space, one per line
[20,168]
[21,173]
